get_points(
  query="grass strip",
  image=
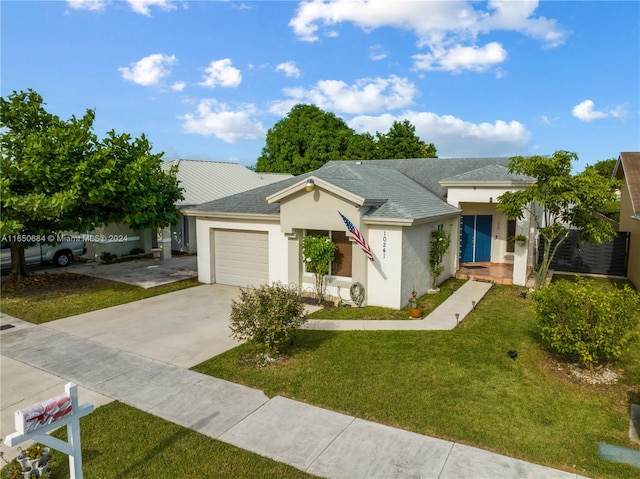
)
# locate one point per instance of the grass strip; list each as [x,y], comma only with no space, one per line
[41,298]
[120,441]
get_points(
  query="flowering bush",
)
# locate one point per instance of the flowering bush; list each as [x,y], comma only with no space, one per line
[268,315]
[437,249]
[318,252]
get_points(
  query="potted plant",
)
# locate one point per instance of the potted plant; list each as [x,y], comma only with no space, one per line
[437,248]
[520,239]
[415,310]
[33,462]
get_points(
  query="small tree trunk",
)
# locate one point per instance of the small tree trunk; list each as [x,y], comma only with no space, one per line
[544,265]
[18,263]
[319,287]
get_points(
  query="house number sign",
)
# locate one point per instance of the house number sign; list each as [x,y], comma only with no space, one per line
[384,244]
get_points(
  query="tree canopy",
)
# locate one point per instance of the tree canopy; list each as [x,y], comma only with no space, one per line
[56,175]
[559,201]
[605,168]
[309,137]
[402,142]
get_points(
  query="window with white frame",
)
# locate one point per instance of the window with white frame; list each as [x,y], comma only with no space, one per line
[341,265]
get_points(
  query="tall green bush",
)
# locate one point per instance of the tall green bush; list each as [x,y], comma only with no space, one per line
[317,253]
[268,315]
[437,249]
[593,324]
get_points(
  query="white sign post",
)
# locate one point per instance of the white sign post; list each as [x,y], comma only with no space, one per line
[34,422]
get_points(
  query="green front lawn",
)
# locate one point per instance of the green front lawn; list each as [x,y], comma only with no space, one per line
[429,302]
[40,298]
[119,441]
[459,385]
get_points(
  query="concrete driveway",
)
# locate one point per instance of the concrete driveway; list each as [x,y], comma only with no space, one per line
[145,273]
[182,328]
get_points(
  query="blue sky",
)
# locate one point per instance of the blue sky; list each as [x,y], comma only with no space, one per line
[207,79]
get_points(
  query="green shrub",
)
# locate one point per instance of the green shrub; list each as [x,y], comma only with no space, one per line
[594,324]
[318,252]
[105,256]
[438,248]
[268,315]
[135,251]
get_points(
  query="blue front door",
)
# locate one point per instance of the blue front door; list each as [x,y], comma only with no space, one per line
[475,238]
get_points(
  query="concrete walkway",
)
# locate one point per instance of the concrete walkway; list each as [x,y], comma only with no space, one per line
[138,353]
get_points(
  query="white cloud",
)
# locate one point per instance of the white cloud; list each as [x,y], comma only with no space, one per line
[221,73]
[460,58]
[519,16]
[178,86]
[365,96]
[289,68]
[585,111]
[620,112]
[430,21]
[449,30]
[94,5]
[377,53]
[143,6]
[149,70]
[216,119]
[453,136]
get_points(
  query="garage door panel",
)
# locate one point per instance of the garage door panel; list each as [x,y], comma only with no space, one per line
[241,257]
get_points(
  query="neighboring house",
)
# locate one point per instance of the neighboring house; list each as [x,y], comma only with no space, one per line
[628,170]
[202,181]
[254,237]
[205,181]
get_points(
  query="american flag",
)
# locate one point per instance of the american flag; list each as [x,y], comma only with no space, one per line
[357,236]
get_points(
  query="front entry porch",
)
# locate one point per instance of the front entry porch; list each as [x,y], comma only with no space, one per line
[499,273]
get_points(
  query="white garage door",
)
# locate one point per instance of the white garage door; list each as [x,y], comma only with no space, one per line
[241,257]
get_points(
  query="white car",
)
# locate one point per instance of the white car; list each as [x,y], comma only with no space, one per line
[61,254]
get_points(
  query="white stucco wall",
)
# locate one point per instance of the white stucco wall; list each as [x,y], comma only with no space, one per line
[474,194]
[385,274]
[416,274]
[317,209]
[115,238]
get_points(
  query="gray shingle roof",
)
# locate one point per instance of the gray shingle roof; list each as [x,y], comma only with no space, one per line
[399,196]
[491,173]
[404,189]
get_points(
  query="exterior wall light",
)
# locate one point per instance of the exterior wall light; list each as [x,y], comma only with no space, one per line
[309,185]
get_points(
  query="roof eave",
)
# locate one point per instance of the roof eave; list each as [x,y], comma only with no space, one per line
[408,221]
[318,182]
[489,184]
[228,215]
[388,221]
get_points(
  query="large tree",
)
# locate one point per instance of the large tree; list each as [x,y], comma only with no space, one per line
[56,175]
[558,202]
[309,137]
[305,140]
[401,141]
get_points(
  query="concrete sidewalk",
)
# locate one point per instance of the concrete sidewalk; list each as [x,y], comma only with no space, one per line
[313,439]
